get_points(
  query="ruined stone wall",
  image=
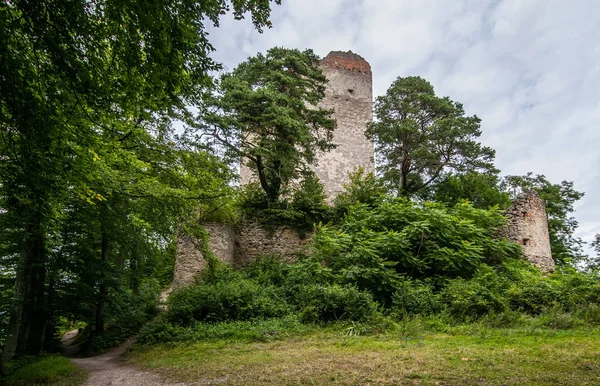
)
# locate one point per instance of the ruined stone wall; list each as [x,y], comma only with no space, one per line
[350,94]
[239,245]
[189,260]
[235,245]
[253,241]
[527,224]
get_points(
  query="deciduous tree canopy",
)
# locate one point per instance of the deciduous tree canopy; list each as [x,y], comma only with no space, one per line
[86,89]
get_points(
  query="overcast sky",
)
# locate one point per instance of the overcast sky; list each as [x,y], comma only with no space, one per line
[529,69]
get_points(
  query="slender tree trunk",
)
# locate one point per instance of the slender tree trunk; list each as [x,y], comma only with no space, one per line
[50,329]
[28,316]
[404,172]
[134,281]
[103,292]
[260,169]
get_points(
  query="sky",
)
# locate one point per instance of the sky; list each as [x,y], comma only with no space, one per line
[530,69]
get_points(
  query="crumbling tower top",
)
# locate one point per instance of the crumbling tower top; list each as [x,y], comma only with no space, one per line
[346,60]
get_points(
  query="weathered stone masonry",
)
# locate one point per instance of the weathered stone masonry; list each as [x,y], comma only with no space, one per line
[527,224]
[189,260]
[350,94]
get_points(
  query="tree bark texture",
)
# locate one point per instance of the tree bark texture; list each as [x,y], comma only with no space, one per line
[29,315]
[103,291]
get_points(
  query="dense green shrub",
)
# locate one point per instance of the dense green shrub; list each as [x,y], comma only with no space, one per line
[533,297]
[268,269]
[309,201]
[126,313]
[557,319]
[305,207]
[161,330]
[415,298]
[253,198]
[375,246]
[363,188]
[529,291]
[577,288]
[326,303]
[240,299]
[588,313]
[469,299]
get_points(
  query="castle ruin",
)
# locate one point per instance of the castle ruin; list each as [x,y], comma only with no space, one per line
[350,94]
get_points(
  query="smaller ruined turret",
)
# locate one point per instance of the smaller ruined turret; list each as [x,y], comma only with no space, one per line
[527,224]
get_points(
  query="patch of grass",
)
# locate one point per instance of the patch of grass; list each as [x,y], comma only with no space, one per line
[406,354]
[161,331]
[52,370]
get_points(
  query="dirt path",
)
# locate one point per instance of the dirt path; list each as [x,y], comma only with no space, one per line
[109,369]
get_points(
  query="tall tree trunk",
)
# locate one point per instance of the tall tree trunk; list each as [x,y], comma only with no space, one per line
[134,281]
[28,316]
[103,292]
[50,330]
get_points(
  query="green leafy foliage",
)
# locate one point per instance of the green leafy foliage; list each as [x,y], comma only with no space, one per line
[374,247]
[270,298]
[363,188]
[327,303]
[471,299]
[302,211]
[309,200]
[93,175]
[241,299]
[45,370]
[414,297]
[596,246]
[268,270]
[126,313]
[95,183]
[533,298]
[480,189]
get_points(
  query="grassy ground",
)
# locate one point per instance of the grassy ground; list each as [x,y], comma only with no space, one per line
[51,370]
[469,355]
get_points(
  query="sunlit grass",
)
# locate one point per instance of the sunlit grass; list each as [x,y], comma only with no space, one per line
[407,354]
[46,370]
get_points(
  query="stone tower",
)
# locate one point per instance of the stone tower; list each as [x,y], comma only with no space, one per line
[350,94]
[527,224]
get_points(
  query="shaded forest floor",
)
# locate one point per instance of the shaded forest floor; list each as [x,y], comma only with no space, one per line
[468,355]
